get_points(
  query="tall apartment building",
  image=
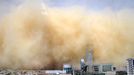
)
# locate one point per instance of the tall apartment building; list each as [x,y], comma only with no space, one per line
[130,66]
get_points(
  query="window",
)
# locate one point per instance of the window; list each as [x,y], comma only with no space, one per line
[106,68]
[96,68]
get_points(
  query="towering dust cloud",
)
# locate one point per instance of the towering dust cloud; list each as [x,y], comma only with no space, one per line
[33,37]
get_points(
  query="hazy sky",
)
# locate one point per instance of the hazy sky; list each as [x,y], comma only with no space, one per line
[6,5]
[95,4]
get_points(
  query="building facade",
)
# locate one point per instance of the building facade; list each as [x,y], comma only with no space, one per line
[130,66]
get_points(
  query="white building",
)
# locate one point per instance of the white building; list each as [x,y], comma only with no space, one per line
[102,68]
[130,66]
[68,68]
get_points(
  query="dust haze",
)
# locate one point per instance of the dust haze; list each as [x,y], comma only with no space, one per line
[36,36]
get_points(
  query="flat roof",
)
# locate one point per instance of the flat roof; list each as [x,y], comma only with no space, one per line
[54,71]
